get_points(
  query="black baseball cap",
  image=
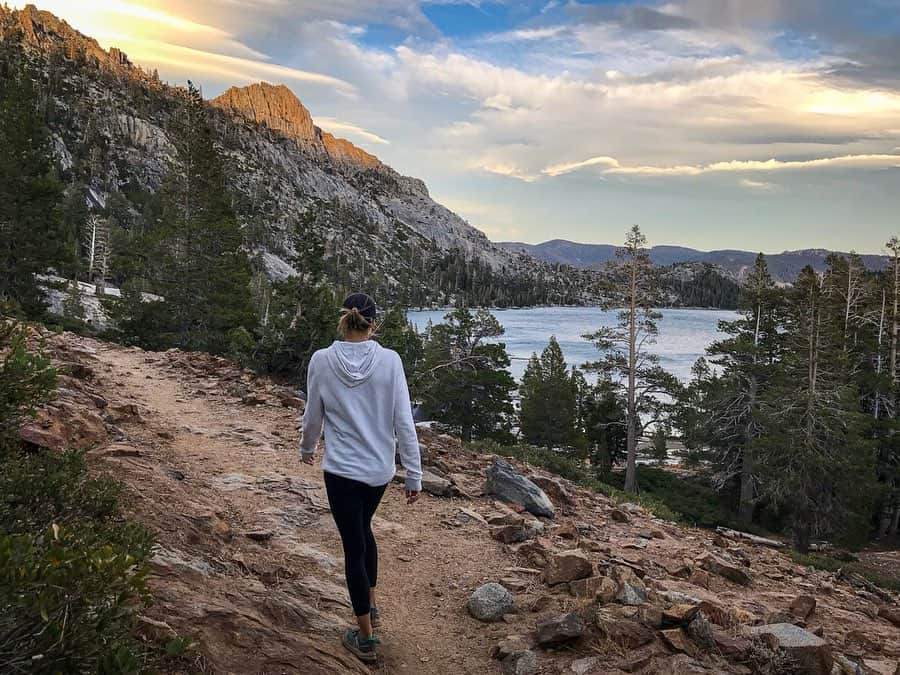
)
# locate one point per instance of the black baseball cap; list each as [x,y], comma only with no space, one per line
[362,303]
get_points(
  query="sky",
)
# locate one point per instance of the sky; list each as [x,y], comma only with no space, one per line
[753,124]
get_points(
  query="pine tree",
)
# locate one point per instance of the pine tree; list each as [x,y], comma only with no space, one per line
[73,308]
[816,463]
[32,233]
[547,400]
[605,425]
[732,399]
[464,382]
[202,270]
[626,346]
[396,332]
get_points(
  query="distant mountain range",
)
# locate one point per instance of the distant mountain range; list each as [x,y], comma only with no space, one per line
[784,267]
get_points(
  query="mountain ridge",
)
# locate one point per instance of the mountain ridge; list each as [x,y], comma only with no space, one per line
[784,266]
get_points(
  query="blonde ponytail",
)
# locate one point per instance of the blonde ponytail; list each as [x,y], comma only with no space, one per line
[352,322]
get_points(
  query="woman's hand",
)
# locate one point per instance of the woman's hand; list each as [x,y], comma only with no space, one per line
[311,460]
[412,496]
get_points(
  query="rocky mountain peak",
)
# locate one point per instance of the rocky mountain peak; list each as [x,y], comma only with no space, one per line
[48,33]
[278,108]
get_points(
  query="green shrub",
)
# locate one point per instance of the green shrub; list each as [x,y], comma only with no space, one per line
[72,574]
[72,571]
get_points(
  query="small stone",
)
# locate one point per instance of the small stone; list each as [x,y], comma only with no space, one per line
[586,588]
[607,591]
[679,615]
[676,640]
[559,629]
[510,534]
[509,645]
[567,566]
[619,516]
[699,578]
[490,602]
[725,570]
[631,594]
[514,584]
[583,666]
[624,633]
[803,606]
[520,663]
[729,646]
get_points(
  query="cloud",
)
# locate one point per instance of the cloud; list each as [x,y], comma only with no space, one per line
[509,170]
[337,127]
[632,17]
[526,34]
[846,161]
[560,169]
[195,63]
[757,185]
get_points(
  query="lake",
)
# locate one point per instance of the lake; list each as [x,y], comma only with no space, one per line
[684,334]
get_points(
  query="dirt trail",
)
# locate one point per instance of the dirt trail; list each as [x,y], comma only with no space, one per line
[249,562]
[208,469]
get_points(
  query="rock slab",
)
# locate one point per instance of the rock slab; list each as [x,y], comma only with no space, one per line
[811,653]
[505,483]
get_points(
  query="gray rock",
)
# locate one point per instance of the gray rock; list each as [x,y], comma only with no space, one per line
[490,602]
[631,594]
[520,663]
[811,653]
[558,629]
[504,482]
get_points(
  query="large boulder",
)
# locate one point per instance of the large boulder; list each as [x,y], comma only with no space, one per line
[811,654]
[505,483]
[567,566]
[490,602]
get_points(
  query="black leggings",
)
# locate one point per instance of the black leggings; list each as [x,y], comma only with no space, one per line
[353,504]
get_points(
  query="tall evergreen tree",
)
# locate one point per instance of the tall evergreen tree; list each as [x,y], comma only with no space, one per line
[464,382]
[547,399]
[196,260]
[33,237]
[817,466]
[626,346]
[732,398]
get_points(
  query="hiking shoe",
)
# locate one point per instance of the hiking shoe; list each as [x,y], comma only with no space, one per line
[363,649]
[375,617]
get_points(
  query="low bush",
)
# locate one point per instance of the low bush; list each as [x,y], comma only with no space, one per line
[72,570]
[72,574]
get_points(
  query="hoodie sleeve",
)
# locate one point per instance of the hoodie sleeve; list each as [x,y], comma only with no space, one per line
[405,429]
[314,413]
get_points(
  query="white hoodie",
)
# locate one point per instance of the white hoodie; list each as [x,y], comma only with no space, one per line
[358,392]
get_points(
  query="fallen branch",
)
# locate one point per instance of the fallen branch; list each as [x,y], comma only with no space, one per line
[752,538]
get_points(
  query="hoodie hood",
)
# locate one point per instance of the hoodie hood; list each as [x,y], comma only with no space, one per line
[353,362]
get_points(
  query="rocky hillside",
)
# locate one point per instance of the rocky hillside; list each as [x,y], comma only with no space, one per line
[111,122]
[248,560]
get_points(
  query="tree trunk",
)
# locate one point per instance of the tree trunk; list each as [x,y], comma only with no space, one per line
[747,501]
[894,326]
[631,466]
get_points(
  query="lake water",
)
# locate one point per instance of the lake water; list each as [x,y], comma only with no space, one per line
[684,334]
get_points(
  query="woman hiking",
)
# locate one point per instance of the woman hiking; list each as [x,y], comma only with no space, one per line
[356,389]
